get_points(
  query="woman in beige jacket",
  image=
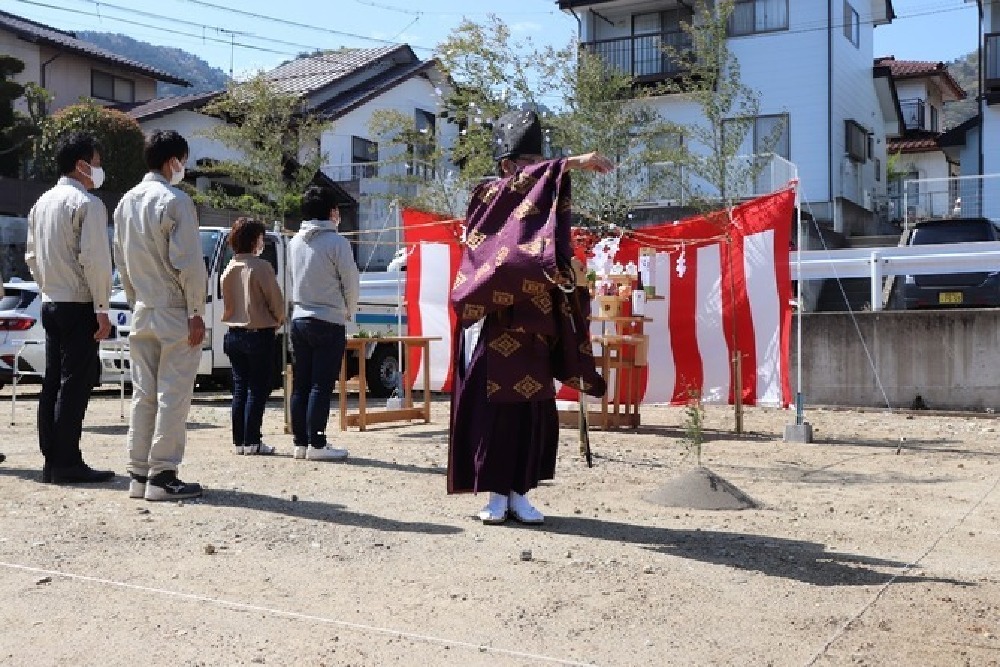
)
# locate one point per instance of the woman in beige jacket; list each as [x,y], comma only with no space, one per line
[253,308]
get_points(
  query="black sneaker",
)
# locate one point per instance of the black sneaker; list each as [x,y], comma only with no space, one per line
[166,486]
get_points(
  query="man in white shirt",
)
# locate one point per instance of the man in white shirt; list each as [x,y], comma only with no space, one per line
[70,258]
[158,251]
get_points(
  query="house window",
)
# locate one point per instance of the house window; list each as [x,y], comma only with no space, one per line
[364,158]
[852,24]
[878,170]
[753,16]
[856,141]
[422,150]
[768,134]
[104,86]
[934,119]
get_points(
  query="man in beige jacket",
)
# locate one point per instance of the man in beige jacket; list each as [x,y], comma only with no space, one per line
[70,258]
[158,251]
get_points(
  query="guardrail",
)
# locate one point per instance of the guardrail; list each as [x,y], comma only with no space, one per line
[876,263]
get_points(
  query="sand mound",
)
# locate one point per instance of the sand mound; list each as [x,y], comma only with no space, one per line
[700,488]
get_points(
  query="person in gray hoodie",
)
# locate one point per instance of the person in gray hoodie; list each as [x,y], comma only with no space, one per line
[325,287]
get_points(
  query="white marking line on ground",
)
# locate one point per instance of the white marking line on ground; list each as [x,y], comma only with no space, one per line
[298,615]
[909,566]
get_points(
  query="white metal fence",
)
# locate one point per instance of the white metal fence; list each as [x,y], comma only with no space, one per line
[955,197]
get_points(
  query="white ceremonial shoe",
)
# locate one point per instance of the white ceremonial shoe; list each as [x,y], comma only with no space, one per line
[495,511]
[327,453]
[523,511]
[300,452]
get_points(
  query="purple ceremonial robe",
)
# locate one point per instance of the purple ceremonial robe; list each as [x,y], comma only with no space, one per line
[504,426]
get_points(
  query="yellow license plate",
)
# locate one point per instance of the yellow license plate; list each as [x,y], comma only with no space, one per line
[950,297]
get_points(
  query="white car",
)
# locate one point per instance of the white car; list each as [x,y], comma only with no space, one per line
[20,321]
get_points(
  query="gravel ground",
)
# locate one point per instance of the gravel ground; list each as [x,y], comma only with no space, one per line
[877,545]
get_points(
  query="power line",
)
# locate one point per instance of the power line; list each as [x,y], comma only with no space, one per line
[296,24]
[227,42]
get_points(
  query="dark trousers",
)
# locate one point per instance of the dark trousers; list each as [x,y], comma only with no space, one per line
[72,368]
[251,354]
[318,349]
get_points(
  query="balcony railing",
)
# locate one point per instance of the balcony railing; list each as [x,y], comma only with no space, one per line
[991,63]
[668,184]
[383,178]
[914,114]
[645,57]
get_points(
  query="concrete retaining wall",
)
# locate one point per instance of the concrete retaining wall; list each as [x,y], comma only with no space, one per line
[950,358]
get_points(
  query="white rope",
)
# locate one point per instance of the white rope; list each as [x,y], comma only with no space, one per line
[854,319]
[378,239]
[402,634]
[909,566]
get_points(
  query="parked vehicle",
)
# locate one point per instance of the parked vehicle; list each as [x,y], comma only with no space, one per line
[377,315]
[953,289]
[21,320]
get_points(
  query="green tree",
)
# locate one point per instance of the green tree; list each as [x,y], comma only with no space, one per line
[120,136]
[594,108]
[489,73]
[17,129]
[715,170]
[278,142]
[603,110]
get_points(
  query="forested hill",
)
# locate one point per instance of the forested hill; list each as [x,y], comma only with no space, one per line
[966,71]
[181,63]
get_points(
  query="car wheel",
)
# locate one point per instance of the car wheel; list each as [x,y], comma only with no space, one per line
[381,371]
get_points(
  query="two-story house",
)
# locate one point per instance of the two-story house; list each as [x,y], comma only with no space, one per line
[346,87]
[810,63]
[916,157]
[70,68]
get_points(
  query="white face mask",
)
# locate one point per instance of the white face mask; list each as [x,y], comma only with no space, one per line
[177,175]
[96,176]
[259,248]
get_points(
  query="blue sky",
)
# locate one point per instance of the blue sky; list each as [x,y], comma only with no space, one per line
[925,30]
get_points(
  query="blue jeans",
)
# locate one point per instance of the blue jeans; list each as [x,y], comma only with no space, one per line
[251,354]
[318,349]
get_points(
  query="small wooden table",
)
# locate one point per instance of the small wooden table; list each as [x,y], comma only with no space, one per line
[362,418]
[619,364]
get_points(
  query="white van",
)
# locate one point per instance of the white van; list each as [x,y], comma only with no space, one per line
[380,312]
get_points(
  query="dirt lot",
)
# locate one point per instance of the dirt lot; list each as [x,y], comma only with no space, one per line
[864,552]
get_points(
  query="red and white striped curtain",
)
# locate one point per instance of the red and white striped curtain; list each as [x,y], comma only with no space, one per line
[726,289]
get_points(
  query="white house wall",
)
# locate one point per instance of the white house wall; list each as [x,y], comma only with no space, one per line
[854,98]
[195,127]
[374,213]
[27,53]
[933,199]
[789,70]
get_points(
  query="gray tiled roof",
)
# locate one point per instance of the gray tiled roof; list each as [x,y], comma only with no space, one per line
[160,106]
[306,75]
[30,31]
[373,87]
